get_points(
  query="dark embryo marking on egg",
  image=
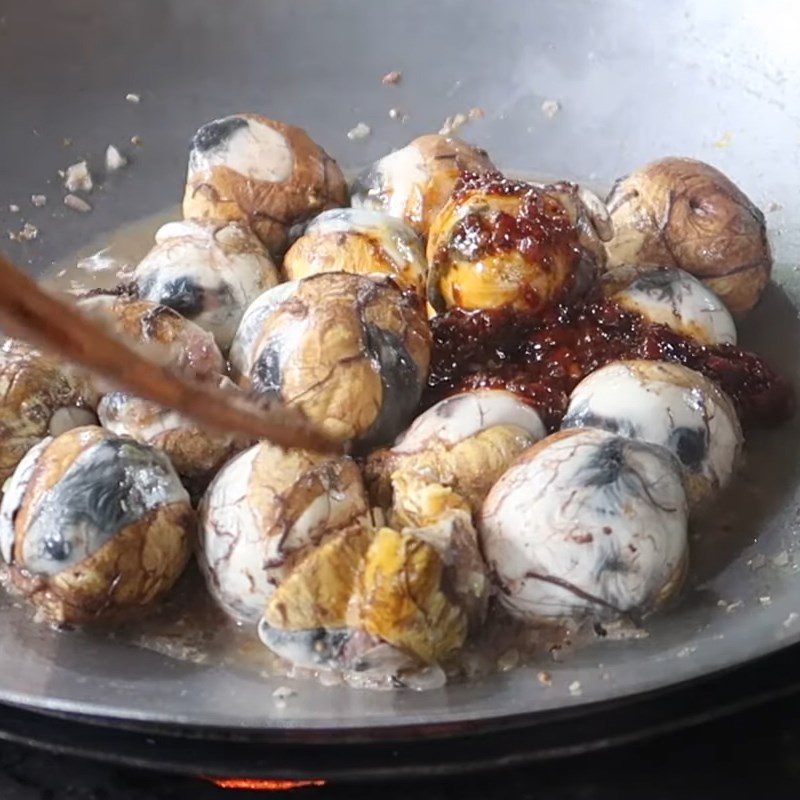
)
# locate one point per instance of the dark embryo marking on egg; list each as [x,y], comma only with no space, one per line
[690,445]
[94,500]
[610,470]
[401,382]
[215,134]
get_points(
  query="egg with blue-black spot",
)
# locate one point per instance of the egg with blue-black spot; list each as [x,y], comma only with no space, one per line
[586,523]
[208,271]
[94,526]
[262,172]
[350,352]
[668,405]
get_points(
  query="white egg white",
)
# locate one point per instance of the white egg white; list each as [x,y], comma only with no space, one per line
[668,405]
[586,523]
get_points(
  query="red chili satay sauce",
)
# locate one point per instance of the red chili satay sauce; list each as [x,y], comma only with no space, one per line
[542,357]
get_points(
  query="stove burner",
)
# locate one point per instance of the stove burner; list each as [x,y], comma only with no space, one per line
[263,784]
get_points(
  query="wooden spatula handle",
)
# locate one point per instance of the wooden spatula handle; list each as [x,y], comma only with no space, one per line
[29,313]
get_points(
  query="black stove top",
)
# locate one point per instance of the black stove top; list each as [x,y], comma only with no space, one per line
[754,753]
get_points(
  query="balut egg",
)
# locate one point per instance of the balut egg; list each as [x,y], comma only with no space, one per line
[207,270]
[667,405]
[266,508]
[669,296]
[413,183]
[262,172]
[39,397]
[357,593]
[93,526]
[195,451]
[678,212]
[360,241]
[350,352]
[451,455]
[504,243]
[160,333]
[586,523]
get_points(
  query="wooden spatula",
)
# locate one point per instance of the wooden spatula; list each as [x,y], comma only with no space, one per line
[29,313]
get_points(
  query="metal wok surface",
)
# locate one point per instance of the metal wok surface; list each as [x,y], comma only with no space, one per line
[713,81]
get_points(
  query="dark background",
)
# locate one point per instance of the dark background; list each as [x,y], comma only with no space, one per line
[751,754]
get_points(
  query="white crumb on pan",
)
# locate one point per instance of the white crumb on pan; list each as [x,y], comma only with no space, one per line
[114,159]
[454,122]
[131,97]
[27,233]
[38,200]
[550,108]
[77,204]
[77,178]
[360,131]
[392,78]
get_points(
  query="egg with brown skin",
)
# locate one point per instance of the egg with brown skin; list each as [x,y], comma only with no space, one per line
[94,527]
[366,601]
[360,241]
[158,332]
[451,455]
[502,243]
[265,509]
[668,405]
[586,524]
[262,172]
[208,271]
[413,184]
[39,397]
[669,296]
[350,352]
[678,212]
[195,451]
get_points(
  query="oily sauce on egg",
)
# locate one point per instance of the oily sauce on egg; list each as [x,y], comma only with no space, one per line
[543,356]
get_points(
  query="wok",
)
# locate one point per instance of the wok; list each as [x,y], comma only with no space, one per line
[713,81]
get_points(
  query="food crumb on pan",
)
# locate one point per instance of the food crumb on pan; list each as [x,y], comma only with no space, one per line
[545,678]
[392,78]
[114,159]
[77,204]
[724,141]
[136,140]
[575,689]
[550,108]
[360,131]
[27,233]
[765,600]
[453,123]
[132,97]
[77,178]
[508,660]
[780,559]
[282,694]
[396,113]
[38,200]
[757,561]
[13,208]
